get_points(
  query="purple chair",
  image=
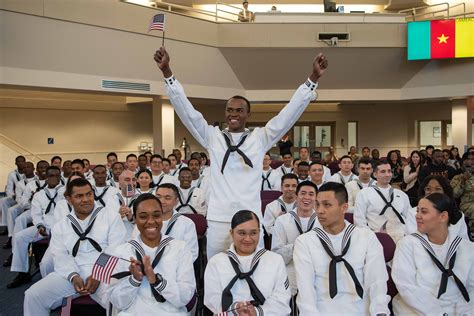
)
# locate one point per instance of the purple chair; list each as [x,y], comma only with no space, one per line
[388,251]
[349,217]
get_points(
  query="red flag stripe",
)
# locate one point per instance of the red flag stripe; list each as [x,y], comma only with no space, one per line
[443,40]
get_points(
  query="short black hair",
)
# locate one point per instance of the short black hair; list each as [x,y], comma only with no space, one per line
[345,157]
[429,147]
[155,156]
[144,171]
[339,189]
[142,198]
[53,168]
[365,161]
[365,147]
[78,162]
[112,154]
[85,159]
[142,156]
[289,176]
[79,182]
[20,157]
[41,161]
[184,169]
[306,183]
[169,186]
[296,160]
[316,162]
[165,159]
[239,97]
[243,216]
[99,166]
[130,155]
[118,162]
[148,152]
[303,164]
[56,157]
[194,159]
[379,163]
[172,155]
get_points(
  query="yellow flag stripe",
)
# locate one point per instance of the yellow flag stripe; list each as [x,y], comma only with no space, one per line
[464,38]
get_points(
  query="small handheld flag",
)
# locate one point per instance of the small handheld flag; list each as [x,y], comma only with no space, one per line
[66,306]
[103,267]
[130,191]
[158,23]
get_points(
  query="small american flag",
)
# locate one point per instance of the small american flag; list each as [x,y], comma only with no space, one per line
[103,267]
[157,23]
[66,306]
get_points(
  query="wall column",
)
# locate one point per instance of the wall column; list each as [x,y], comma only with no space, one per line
[461,118]
[163,126]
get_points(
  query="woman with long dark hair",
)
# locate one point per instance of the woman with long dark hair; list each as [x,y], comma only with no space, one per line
[395,160]
[410,176]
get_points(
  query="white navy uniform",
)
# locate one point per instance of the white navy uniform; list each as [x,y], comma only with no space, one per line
[273,210]
[338,177]
[21,205]
[353,188]
[287,228]
[273,285]
[180,228]
[364,254]
[458,229]
[418,278]
[192,201]
[373,211]
[270,180]
[203,182]
[107,196]
[326,174]
[76,257]
[163,178]
[239,188]
[113,183]
[128,201]
[42,213]
[24,218]
[9,200]
[133,297]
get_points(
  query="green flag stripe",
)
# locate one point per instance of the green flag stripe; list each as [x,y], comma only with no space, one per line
[419,45]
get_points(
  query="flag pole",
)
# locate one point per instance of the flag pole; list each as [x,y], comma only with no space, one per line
[163,39]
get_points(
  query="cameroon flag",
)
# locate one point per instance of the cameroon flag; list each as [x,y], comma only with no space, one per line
[441,39]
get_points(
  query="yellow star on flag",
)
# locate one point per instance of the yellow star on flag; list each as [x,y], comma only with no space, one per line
[443,39]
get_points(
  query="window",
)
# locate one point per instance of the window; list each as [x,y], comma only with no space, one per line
[436,133]
[352,134]
[301,136]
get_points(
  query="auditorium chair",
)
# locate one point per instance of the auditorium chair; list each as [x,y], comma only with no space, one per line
[84,305]
[388,251]
[200,223]
[349,217]
[266,198]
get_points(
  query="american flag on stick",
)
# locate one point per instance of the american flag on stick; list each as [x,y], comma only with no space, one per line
[157,23]
[103,267]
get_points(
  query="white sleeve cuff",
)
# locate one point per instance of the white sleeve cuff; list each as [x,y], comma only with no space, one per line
[170,80]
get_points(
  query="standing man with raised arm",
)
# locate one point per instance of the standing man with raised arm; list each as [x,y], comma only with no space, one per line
[236,152]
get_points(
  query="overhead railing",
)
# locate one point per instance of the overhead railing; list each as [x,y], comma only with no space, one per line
[435,12]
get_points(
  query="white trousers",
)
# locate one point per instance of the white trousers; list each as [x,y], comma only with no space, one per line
[219,238]
[47,294]
[47,263]
[12,213]
[5,204]
[22,221]
[20,243]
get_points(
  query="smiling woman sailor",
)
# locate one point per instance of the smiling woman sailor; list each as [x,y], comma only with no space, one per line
[240,280]
[159,280]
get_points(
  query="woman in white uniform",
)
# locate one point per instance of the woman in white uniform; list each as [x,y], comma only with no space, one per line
[159,280]
[247,280]
[433,269]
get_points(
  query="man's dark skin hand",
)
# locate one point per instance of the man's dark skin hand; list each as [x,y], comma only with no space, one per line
[162,58]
